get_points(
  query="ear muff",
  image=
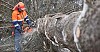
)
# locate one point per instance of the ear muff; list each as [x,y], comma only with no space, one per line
[19,9]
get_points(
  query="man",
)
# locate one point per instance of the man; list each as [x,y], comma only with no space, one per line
[19,15]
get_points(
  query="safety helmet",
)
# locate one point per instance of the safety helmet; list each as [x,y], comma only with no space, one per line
[19,5]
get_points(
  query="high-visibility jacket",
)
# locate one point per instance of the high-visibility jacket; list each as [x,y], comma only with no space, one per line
[19,17]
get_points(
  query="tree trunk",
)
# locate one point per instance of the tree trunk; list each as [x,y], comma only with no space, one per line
[90,28]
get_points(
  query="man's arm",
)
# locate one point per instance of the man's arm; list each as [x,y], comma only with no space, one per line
[26,18]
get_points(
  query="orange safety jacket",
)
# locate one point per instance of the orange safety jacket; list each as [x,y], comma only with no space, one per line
[19,17]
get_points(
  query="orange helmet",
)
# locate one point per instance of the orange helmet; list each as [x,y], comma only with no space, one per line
[20,5]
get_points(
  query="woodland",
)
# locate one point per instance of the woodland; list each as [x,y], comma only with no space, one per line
[58,26]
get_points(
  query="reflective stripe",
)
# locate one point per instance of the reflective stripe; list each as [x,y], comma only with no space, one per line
[16,25]
[14,20]
[18,20]
[21,20]
[27,19]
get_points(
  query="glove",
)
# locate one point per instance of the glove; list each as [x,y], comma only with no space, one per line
[31,24]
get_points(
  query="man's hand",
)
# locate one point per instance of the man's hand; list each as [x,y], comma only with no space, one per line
[31,25]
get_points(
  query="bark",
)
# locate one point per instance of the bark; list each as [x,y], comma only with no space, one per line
[58,29]
[90,28]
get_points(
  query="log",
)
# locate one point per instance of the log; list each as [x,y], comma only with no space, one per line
[58,29]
